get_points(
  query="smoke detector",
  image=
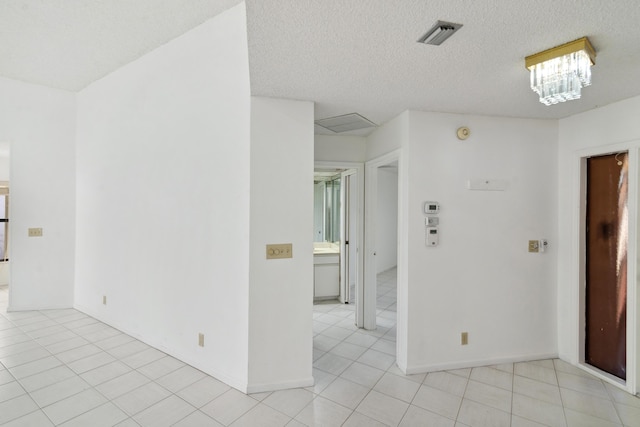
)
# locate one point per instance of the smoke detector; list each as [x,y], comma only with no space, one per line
[437,34]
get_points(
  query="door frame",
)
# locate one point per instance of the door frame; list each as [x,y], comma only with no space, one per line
[345,218]
[580,158]
[359,168]
[371,198]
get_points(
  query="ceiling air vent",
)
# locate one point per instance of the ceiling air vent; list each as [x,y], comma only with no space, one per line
[439,33]
[345,123]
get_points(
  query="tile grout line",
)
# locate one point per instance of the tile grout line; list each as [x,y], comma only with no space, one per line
[613,401]
[108,400]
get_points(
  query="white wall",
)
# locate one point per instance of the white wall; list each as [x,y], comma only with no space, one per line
[39,123]
[5,164]
[480,279]
[598,130]
[163,197]
[339,148]
[388,137]
[387,219]
[281,290]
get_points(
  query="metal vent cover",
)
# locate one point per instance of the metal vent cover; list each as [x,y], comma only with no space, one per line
[437,34]
[345,123]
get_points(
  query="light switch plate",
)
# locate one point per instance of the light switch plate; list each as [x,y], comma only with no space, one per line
[279,251]
[431,221]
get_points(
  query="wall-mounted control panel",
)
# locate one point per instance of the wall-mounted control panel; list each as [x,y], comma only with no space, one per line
[432,236]
[431,208]
[431,222]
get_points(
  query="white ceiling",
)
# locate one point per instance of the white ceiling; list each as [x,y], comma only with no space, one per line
[345,55]
[68,44]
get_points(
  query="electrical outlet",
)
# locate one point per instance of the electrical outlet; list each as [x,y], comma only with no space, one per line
[534,246]
[464,338]
[35,232]
[201,340]
[104,299]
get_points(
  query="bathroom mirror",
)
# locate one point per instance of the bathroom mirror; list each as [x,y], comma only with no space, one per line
[326,212]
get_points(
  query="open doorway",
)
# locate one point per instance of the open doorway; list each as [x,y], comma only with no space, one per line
[347,223]
[386,253]
[4,222]
[383,260]
[336,236]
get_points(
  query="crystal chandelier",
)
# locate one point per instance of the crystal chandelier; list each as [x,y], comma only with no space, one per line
[559,74]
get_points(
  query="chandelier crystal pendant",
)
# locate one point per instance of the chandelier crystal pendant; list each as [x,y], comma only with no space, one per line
[559,74]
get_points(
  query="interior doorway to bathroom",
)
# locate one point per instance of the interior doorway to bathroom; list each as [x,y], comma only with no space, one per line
[4,216]
[335,235]
[338,235]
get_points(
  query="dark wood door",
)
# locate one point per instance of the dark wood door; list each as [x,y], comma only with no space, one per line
[606,263]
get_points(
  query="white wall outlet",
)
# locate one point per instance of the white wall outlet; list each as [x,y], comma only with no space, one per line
[35,232]
[543,245]
[201,340]
[104,299]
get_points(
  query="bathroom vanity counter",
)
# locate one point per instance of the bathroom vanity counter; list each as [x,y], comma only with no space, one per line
[326,270]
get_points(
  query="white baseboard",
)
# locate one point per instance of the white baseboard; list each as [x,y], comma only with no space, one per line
[14,308]
[259,388]
[435,367]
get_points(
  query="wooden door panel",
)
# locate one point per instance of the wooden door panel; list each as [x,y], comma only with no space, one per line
[606,266]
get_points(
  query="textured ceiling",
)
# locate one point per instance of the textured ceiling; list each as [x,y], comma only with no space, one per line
[345,55]
[362,55]
[68,44]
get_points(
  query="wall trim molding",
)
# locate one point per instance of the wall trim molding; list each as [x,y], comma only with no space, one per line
[281,385]
[477,363]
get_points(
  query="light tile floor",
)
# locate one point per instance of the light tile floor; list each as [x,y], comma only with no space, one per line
[61,367]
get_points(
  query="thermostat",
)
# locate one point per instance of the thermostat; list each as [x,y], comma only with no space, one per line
[431,207]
